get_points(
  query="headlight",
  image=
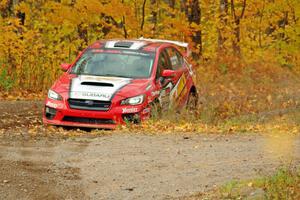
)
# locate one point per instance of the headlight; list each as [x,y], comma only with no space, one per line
[54,95]
[133,100]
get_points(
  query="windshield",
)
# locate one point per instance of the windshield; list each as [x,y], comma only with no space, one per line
[127,64]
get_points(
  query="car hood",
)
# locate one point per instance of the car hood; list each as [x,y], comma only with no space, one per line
[96,87]
[135,87]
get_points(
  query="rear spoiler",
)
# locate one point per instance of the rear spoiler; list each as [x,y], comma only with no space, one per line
[180,44]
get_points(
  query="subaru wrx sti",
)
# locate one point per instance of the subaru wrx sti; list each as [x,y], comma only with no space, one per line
[118,81]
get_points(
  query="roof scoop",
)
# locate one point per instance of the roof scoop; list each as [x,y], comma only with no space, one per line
[101,84]
[123,44]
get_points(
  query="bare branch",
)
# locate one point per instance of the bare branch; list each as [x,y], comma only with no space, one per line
[143,15]
[243,11]
[233,9]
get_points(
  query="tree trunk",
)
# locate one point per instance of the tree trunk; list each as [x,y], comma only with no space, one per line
[123,24]
[172,3]
[194,16]
[223,23]
[9,8]
[184,7]
[124,27]
[237,30]
[236,42]
[143,15]
[83,34]
[153,17]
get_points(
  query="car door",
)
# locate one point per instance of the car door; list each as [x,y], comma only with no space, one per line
[164,85]
[180,90]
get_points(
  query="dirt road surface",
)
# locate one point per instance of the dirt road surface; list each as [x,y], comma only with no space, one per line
[128,166]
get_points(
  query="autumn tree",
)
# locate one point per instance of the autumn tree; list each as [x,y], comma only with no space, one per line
[223,9]
[237,25]
[36,36]
[192,11]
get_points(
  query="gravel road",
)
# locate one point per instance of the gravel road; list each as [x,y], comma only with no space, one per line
[130,166]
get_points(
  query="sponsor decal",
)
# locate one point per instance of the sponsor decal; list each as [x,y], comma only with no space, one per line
[95,94]
[155,93]
[146,110]
[148,87]
[88,92]
[129,110]
[181,84]
[190,67]
[136,53]
[179,88]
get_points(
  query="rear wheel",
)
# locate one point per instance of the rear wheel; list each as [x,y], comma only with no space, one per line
[192,101]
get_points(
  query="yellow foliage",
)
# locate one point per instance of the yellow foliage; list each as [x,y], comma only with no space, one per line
[55,31]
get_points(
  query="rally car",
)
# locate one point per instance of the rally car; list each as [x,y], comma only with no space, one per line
[114,82]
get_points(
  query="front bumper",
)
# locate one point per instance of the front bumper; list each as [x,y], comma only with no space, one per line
[60,113]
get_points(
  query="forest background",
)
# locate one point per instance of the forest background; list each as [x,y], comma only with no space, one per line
[246,53]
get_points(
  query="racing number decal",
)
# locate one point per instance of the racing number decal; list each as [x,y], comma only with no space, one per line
[179,89]
[171,94]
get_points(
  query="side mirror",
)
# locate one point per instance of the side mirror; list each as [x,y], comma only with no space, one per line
[65,66]
[167,73]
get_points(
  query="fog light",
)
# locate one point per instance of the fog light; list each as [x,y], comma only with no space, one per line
[50,113]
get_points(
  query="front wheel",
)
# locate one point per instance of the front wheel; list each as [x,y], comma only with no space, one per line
[156,110]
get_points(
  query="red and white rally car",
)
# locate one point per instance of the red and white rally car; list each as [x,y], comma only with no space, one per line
[118,81]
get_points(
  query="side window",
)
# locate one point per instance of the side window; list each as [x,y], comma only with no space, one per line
[175,58]
[180,58]
[163,63]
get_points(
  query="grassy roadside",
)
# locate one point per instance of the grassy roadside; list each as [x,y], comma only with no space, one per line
[283,185]
[276,123]
[235,97]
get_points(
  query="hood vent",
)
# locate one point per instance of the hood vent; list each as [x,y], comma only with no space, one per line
[98,84]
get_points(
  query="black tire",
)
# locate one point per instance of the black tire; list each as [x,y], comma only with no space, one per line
[192,101]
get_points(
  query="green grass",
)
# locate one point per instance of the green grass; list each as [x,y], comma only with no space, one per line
[283,185]
[6,82]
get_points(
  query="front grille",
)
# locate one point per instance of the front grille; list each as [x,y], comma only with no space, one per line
[132,118]
[83,104]
[88,120]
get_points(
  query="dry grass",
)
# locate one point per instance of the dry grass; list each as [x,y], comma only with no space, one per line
[236,96]
[233,88]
